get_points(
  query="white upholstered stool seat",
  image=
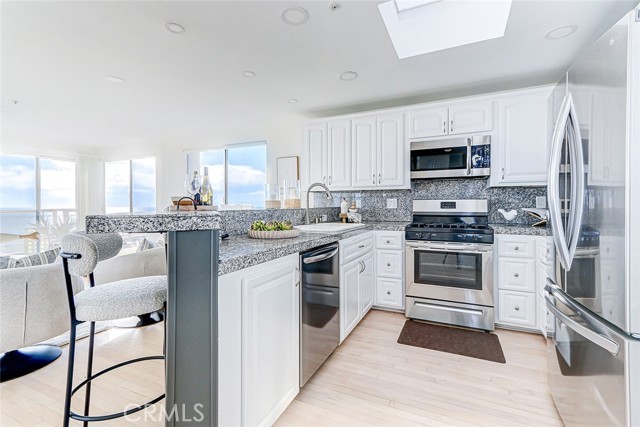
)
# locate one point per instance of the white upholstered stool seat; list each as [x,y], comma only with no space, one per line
[124,298]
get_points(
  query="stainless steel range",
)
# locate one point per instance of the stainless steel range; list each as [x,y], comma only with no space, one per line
[450,263]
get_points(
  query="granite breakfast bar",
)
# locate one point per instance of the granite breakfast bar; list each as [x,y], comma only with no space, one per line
[191,358]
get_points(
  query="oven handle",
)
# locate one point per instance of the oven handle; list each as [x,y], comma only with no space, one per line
[451,248]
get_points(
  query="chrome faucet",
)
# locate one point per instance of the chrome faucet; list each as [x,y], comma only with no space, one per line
[327,194]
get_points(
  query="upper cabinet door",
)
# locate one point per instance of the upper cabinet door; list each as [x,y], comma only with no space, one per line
[364,143]
[522,147]
[428,122]
[471,117]
[339,144]
[317,153]
[392,154]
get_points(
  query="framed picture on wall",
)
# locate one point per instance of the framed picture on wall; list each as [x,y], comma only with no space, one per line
[288,169]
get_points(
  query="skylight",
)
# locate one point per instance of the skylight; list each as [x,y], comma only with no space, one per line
[417,27]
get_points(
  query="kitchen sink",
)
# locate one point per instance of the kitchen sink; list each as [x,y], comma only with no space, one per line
[329,227]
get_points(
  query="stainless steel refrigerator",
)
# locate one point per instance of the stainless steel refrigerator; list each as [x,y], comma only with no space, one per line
[594,362]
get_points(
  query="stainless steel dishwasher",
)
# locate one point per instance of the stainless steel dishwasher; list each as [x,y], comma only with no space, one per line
[320,308]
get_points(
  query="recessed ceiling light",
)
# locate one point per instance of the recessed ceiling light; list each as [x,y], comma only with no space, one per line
[14,101]
[114,79]
[348,75]
[335,6]
[292,101]
[175,28]
[249,74]
[561,32]
[294,15]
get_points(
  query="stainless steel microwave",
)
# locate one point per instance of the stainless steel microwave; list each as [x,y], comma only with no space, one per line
[451,158]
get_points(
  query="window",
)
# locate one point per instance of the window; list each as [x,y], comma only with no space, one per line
[237,173]
[36,195]
[130,186]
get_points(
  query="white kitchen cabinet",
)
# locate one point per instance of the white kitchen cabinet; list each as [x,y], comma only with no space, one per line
[428,122]
[517,309]
[366,284]
[317,152]
[520,152]
[455,119]
[520,270]
[392,151]
[258,351]
[469,117]
[545,265]
[364,142]
[339,154]
[389,292]
[356,281]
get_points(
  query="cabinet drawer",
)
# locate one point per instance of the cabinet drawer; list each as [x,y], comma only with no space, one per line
[517,308]
[355,247]
[390,264]
[389,293]
[389,239]
[517,274]
[517,246]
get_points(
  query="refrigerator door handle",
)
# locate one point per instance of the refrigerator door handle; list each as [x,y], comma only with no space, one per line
[577,180]
[555,209]
[600,340]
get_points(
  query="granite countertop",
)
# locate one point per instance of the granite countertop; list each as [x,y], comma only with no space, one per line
[240,251]
[520,229]
[153,223]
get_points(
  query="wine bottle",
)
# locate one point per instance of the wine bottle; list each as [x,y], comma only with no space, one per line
[195,188]
[206,191]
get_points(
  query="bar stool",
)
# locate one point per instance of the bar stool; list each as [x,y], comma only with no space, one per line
[80,254]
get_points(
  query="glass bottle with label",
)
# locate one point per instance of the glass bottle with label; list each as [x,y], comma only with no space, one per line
[206,190]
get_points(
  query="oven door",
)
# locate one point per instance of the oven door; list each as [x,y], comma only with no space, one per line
[450,272]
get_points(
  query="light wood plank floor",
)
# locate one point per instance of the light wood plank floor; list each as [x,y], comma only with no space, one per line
[369,380]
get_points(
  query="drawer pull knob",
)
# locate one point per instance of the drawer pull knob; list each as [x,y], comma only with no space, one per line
[516,275]
[388,241]
[388,264]
[517,308]
[361,246]
[388,292]
[515,248]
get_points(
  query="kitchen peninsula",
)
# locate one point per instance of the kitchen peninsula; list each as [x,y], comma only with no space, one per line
[192,306]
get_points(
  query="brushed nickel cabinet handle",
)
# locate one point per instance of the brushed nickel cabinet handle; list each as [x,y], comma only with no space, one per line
[388,264]
[515,248]
[361,246]
[517,308]
[444,127]
[451,127]
[374,178]
[388,292]
[329,179]
[379,178]
[502,173]
[388,241]
[516,275]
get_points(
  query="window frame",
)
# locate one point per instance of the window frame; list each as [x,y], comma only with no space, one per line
[130,161]
[193,160]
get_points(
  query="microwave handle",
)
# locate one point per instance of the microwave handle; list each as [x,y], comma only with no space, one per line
[468,156]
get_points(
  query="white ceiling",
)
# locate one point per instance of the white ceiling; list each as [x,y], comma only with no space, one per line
[55,56]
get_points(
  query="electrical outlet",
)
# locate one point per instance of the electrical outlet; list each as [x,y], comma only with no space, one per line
[541,202]
[392,203]
[324,218]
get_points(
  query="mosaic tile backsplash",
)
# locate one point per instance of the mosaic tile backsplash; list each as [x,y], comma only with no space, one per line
[238,222]
[374,202]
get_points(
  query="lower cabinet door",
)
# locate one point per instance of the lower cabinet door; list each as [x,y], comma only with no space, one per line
[349,297]
[366,285]
[270,341]
[389,293]
[517,309]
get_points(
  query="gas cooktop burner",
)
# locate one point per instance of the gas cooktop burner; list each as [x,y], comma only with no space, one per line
[463,221]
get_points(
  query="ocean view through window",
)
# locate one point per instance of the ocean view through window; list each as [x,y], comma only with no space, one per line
[130,186]
[37,202]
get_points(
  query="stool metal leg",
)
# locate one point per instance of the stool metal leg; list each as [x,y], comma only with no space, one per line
[72,355]
[87,396]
